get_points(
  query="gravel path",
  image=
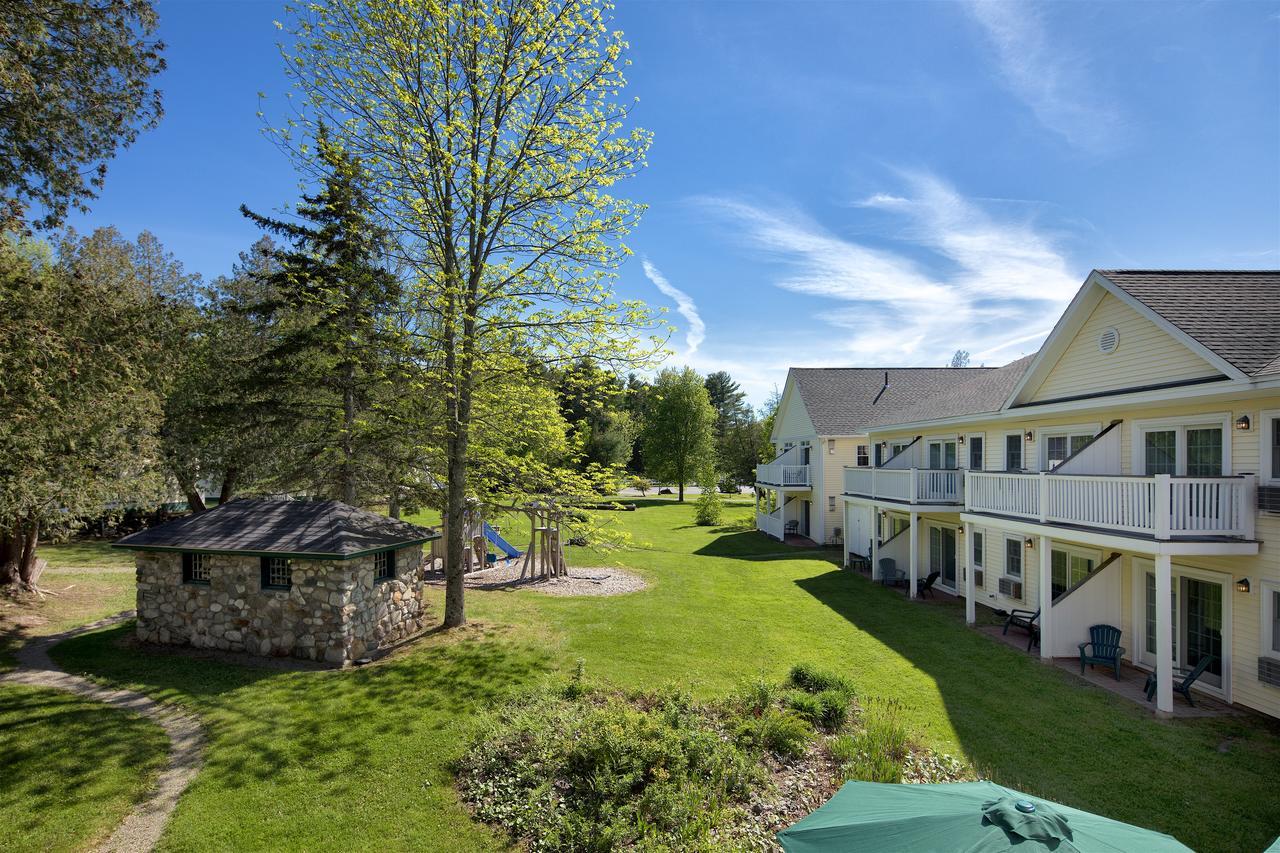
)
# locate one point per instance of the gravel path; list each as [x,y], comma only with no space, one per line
[142,828]
[582,580]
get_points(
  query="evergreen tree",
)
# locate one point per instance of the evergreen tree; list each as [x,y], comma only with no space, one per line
[334,361]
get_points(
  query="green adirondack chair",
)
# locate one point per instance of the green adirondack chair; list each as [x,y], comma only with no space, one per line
[1182,679]
[1103,647]
[1028,621]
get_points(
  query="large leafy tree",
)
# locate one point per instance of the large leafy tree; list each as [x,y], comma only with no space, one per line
[75,85]
[332,372]
[591,400]
[737,430]
[679,430]
[78,379]
[494,135]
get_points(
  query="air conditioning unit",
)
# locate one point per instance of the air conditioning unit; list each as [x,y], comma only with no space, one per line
[1011,588]
[1269,671]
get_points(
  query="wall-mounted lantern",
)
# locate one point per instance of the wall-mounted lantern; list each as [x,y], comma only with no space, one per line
[1242,585]
[1242,423]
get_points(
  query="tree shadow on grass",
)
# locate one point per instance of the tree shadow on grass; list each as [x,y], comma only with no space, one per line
[66,758]
[739,544]
[1037,728]
[264,722]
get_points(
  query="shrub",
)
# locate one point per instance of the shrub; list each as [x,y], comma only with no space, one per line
[783,732]
[815,680]
[877,752]
[755,697]
[834,712]
[607,772]
[709,508]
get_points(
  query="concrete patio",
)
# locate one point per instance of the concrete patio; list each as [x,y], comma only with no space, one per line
[1130,686]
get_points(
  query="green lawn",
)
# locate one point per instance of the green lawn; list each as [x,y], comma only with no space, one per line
[83,553]
[71,768]
[328,760]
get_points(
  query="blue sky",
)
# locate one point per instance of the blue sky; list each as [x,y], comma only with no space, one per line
[835,183]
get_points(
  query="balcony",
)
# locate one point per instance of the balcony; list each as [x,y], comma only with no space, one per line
[907,485]
[1162,507]
[783,476]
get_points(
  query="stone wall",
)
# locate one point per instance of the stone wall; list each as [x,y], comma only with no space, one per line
[333,612]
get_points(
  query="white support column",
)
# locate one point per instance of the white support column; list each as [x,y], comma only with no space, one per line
[914,533]
[1046,600]
[970,588]
[875,542]
[1164,634]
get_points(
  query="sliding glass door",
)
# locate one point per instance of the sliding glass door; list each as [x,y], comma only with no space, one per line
[1197,611]
[942,555]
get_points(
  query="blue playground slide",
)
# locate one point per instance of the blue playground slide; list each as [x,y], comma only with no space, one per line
[502,545]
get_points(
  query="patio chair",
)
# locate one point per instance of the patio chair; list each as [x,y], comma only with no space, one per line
[890,574]
[1103,647]
[926,588]
[791,527]
[1026,620]
[1182,679]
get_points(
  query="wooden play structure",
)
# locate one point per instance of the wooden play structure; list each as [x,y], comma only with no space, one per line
[545,555]
[476,536]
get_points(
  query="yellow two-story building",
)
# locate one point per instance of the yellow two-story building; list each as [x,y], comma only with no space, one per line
[1128,474]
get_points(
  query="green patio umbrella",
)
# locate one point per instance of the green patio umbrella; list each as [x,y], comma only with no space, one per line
[960,817]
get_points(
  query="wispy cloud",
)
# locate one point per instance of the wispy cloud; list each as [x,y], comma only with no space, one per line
[1048,75]
[696,332]
[955,277]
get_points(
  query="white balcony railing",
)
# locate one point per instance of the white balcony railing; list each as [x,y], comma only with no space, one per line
[907,485]
[1160,506]
[771,523]
[778,474]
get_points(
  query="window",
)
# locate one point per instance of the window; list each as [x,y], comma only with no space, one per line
[1068,569]
[1184,449]
[864,456]
[1204,452]
[942,455]
[831,446]
[1271,446]
[384,565]
[1013,548]
[897,447]
[195,568]
[1275,621]
[1013,452]
[277,573]
[831,503]
[975,452]
[897,524]
[978,545]
[1058,448]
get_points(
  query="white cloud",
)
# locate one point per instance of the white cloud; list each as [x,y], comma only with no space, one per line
[1043,71]
[960,278]
[696,333]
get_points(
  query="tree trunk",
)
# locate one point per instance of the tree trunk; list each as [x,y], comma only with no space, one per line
[393,503]
[455,614]
[228,489]
[348,474]
[18,564]
[195,500]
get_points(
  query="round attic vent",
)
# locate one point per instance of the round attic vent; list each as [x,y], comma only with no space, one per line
[1108,340]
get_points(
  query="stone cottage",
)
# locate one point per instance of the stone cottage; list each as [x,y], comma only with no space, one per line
[320,580]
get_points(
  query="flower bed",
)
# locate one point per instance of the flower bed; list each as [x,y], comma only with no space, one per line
[584,769]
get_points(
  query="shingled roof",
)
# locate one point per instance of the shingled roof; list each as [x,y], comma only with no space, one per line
[985,392]
[1233,313]
[328,530]
[843,400]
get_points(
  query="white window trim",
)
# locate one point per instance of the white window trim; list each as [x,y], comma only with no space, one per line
[954,438]
[1073,551]
[978,564]
[861,459]
[1004,448]
[1265,442]
[1268,589]
[1045,433]
[1004,558]
[968,458]
[1180,425]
